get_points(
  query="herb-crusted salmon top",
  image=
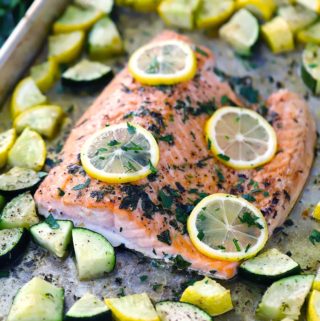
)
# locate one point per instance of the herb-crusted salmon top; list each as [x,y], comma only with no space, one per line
[150,215]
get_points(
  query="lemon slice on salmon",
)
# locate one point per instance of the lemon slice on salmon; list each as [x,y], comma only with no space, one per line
[313,312]
[163,63]
[7,140]
[120,153]
[241,138]
[227,227]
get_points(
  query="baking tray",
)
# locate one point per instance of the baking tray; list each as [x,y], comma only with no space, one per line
[268,73]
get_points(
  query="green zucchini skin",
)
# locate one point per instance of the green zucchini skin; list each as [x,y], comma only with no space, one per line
[265,279]
[19,180]
[17,251]
[268,267]
[88,85]
[309,80]
[87,75]
[106,316]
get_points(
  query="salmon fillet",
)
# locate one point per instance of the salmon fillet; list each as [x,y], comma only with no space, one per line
[135,214]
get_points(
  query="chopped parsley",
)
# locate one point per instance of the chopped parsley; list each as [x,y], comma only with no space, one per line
[82,186]
[250,220]
[200,51]
[131,129]
[132,147]
[143,278]
[249,197]
[200,235]
[209,144]
[179,263]
[113,142]
[314,237]
[165,237]
[224,157]
[152,168]
[167,138]
[61,192]
[236,244]
[130,168]
[166,200]
[51,221]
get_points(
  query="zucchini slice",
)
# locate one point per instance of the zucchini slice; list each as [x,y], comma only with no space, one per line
[19,179]
[178,13]
[55,239]
[102,5]
[241,32]
[66,47]
[284,298]
[87,74]
[28,151]
[2,202]
[76,18]
[270,266]
[137,307]
[104,40]
[310,70]
[37,300]
[298,17]
[179,311]
[26,95]
[95,256]
[19,212]
[45,74]
[12,244]
[89,308]
[42,119]
[209,296]
[7,140]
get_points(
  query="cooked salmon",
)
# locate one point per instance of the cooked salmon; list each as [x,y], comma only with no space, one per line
[150,215]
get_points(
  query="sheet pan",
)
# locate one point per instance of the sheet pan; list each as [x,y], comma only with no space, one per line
[268,72]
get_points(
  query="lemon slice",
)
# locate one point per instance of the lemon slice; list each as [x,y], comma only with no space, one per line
[313,312]
[163,63]
[77,18]
[213,13]
[278,35]
[45,74]
[311,4]
[262,8]
[120,153]
[66,47]
[227,227]
[43,119]
[7,140]
[29,151]
[241,138]
[26,95]
[137,307]
[241,32]
[209,296]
